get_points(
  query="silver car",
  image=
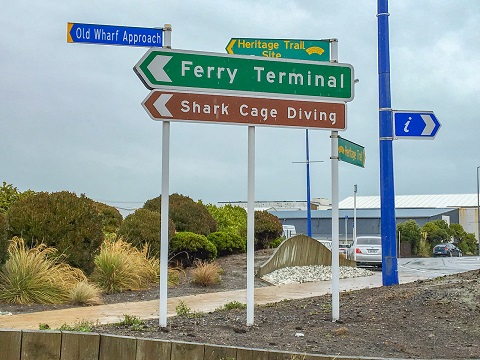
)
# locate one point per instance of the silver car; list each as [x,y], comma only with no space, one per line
[366,250]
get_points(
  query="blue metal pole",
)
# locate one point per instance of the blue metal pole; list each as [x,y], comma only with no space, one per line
[387,190]
[309,212]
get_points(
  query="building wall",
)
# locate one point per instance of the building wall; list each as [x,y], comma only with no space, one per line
[322,226]
[469,219]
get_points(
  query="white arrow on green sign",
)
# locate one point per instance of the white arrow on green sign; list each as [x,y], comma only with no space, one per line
[220,73]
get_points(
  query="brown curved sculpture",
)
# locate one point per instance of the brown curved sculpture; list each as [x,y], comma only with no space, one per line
[300,250]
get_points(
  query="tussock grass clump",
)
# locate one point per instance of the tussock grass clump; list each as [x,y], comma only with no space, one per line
[206,273]
[119,266]
[85,293]
[36,275]
[175,275]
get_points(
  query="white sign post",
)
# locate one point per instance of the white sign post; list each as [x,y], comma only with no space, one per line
[165,206]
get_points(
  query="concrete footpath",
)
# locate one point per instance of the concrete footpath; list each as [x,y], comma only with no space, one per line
[112,313]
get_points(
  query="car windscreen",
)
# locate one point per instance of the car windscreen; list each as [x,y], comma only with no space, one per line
[369,241]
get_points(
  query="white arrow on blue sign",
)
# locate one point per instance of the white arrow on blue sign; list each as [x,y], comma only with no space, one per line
[415,124]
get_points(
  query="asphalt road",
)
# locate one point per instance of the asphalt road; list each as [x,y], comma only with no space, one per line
[434,267]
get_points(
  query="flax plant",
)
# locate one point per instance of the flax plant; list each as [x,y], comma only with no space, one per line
[36,275]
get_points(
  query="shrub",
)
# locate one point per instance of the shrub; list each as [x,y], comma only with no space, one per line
[119,266]
[9,194]
[437,232]
[227,243]
[468,244]
[143,228]
[85,293]
[276,243]
[410,232]
[36,275]
[229,218]
[466,241]
[267,228]
[186,247]
[111,217]
[206,273]
[3,238]
[60,220]
[424,249]
[186,214]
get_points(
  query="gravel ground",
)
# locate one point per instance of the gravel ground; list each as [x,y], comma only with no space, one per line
[429,319]
[301,274]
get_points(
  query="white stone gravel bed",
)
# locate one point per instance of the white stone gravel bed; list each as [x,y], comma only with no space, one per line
[301,274]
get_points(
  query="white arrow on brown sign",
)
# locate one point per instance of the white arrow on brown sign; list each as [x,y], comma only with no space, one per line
[199,107]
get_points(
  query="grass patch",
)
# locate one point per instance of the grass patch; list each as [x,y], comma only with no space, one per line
[129,320]
[36,275]
[183,310]
[275,304]
[206,273]
[81,326]
[232,306]
[133,322]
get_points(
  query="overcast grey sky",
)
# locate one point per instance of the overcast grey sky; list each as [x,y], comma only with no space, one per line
[71,115]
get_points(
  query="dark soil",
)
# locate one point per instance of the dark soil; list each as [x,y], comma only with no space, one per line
[428,319]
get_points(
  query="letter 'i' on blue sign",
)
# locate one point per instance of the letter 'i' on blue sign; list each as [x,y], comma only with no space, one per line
[114,35]
[415,124]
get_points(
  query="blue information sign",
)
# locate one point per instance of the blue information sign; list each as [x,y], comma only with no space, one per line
[114,35]
[415,124]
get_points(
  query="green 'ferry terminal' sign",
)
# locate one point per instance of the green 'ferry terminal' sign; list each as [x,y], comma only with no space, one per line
[351,152]
[315,50]
[236,74]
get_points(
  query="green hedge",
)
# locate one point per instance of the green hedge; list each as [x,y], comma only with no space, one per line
[186,247]
[227,243]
